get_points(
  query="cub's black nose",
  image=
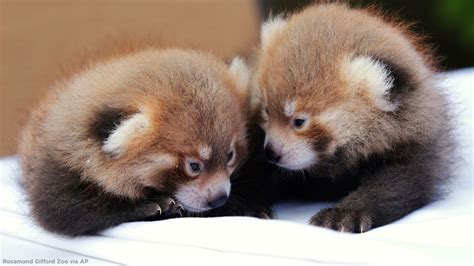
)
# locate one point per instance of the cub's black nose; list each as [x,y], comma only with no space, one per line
[218,201]
[272,156]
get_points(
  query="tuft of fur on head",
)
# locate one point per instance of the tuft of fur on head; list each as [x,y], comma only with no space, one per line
[270,29]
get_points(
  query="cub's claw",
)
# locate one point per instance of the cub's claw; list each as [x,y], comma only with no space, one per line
[178,210]
[343,220]
[171,208]
[147,210]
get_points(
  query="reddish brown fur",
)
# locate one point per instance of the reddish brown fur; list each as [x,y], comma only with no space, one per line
[188,97]
[398,152]
[285,74]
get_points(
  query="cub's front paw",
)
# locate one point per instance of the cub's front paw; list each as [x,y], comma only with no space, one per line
[147,211]
[162,208]
[343,220]
[170,208]
[262,212]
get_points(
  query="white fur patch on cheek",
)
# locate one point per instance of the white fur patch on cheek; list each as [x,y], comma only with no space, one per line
[270,28]
[299,156]
[290,108]
[296,153]
[189,197]
[205,152]
[375,76]
[192,198]
[218,184]
[116,143]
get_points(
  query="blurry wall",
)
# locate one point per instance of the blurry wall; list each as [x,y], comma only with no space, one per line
[37,36]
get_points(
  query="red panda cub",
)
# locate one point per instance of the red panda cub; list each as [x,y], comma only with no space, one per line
[147,134]
[350,103]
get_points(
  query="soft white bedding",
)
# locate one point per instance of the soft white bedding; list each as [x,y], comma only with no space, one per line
[441,233]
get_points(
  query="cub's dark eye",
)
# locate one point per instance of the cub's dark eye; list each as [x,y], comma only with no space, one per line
[299,122]
[266,110]
[230,156]
[195,167]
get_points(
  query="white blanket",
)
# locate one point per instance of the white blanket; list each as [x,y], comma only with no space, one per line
[441,233]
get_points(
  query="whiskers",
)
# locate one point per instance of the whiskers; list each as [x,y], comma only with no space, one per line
[302,173]
[196,214]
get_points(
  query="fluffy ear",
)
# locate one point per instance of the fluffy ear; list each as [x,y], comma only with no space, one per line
[240,71]
[270,28]
[377,77]
[128,129]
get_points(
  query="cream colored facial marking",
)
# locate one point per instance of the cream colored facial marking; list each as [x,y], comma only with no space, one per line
[296,152]
[195,196]
[298,155]
[218,183]
[290,108]
[205,152]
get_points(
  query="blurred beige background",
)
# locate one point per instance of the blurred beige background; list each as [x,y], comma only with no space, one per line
[36,37]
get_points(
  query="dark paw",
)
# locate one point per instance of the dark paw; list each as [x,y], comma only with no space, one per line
[343,220]
[170,208]
[261,212]
[162,208]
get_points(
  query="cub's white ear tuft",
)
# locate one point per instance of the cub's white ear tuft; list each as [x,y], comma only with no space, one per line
[240,71]
[369,73]
[270,28]
[117,142]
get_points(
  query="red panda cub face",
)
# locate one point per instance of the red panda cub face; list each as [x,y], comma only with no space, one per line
[292,139]
[175,125]
[332,87]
